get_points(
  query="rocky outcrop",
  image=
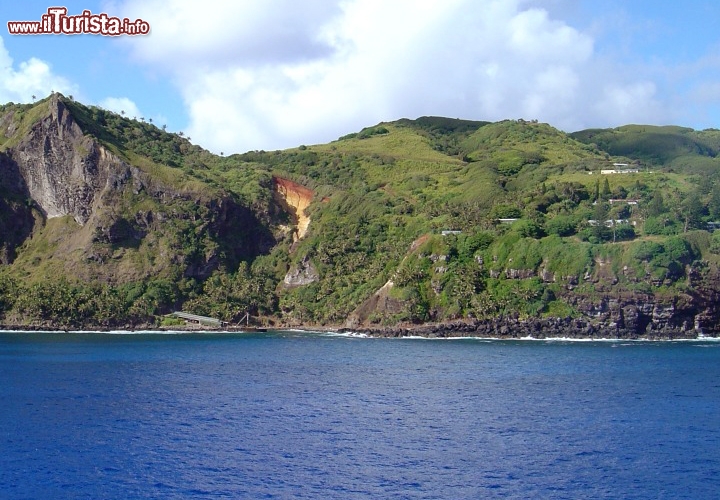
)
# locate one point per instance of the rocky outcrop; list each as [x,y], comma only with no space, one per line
[17,217]
[538,328]
[704,282]
[379,303]
[55,170]
[304,274]
[632,317]
[622,315]
[519,274]
[63,170]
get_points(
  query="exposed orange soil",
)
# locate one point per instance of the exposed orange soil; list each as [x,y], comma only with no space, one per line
[295,198]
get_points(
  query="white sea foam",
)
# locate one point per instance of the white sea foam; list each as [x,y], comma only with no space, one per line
[571,339]
[619,342]
[107,332]
[148,332]
[476,339]
[353,334]
[626,342]
[350,334]
[503,339]
[702,336]
[31,331]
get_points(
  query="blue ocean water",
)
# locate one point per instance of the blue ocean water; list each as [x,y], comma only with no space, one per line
[298,415]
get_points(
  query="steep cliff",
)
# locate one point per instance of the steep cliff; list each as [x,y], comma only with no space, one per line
[98,216]
[64,171]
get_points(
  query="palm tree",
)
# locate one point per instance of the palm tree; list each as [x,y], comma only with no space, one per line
[34,97]
[122,112]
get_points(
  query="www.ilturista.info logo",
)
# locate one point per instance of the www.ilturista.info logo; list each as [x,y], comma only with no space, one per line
[57,22]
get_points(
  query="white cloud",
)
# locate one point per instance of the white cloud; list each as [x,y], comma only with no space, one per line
[268,75]
[619,103]
[31,77]
[185,36]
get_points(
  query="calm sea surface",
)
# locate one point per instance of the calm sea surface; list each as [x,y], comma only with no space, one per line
[298,415]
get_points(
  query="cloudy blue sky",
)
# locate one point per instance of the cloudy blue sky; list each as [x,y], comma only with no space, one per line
[273,74]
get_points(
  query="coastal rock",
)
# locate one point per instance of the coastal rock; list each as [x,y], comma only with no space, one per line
[378,304]
[633,317]
[304,274]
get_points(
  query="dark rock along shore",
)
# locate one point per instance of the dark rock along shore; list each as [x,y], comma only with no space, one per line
[610,318]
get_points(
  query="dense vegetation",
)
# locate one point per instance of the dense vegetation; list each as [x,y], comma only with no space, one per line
[530,224]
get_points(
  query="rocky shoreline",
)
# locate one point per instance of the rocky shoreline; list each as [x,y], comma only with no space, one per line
[631,317]
[630,322]
[537,328]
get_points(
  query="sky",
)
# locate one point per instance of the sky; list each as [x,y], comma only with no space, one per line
[275,74]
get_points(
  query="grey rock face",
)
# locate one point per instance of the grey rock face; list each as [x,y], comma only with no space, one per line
[63,170]
[304,274]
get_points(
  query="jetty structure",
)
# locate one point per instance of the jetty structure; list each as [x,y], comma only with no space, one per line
[218,323]
[200,320]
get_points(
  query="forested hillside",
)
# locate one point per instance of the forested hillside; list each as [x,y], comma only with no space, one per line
[111,221]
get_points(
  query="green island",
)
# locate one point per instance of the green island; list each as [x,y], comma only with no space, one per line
[431,226]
